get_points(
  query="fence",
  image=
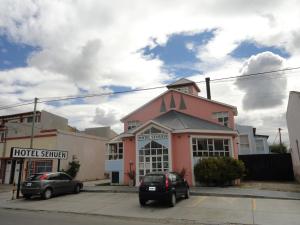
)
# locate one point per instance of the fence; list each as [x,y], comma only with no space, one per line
[275,167]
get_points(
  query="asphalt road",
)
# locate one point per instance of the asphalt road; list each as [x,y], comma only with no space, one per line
[23,217]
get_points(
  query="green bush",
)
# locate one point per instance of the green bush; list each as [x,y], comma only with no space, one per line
[73,168]
[278,148]
[218,170]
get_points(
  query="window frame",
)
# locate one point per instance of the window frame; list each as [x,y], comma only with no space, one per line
[117,153]
[222,117]
[211,150]
[133,124]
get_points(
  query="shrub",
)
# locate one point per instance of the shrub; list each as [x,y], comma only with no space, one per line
[278,148]
[218,170]
[73,168]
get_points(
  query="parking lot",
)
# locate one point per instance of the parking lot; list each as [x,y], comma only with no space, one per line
[203,209]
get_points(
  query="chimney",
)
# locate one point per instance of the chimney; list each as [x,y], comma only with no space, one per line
[207,81]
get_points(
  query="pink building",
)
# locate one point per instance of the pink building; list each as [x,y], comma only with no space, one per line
[172,132]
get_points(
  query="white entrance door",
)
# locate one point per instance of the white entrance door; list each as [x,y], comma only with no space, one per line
[7,171]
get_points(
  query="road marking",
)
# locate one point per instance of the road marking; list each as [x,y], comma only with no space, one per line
[253,204]
[198,201]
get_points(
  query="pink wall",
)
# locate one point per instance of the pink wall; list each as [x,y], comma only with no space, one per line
[181,155]
[129,150]
[194,106]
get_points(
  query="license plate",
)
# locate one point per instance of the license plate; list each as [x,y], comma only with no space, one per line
[152,188]
[28,184]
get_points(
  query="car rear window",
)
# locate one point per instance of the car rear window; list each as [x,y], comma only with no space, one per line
[35,177]
[154,178]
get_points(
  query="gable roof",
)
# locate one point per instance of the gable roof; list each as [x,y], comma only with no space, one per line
[183,82]
[179,121]
[199,97]
[175,121]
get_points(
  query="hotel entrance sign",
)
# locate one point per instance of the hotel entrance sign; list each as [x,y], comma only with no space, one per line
[32,153]
[152,137]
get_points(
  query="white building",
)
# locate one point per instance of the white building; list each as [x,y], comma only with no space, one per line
[250,142]
[293,123]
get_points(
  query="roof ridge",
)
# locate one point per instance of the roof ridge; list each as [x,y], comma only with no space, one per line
[183,124]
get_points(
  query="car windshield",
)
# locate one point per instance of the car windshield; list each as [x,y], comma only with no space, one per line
[35,177]
[153,178]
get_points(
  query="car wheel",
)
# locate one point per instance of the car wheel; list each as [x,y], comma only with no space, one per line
[142,202]
[47,194]
[187,193]
[27,196]
[173,200]
[77,189]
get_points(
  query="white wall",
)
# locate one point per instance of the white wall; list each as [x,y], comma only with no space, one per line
[248,130]
[89,150]
[293,123]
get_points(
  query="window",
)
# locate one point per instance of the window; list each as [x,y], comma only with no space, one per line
[259,145]
[115,151]
[2,137]
[208,147]
[183,89]
[244,144]
[153,154]
[29,119]
[42,166]
[222,118]
[133,124]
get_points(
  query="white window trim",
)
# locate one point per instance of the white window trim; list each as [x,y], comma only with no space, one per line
[108,151]
[231,150]
[249,141]
[137,172]
[217,116]
[263,144]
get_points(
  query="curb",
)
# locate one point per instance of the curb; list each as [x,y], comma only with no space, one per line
[128,218]
[199,194]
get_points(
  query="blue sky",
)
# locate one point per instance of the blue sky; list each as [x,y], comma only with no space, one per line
[179,60]
[13,55]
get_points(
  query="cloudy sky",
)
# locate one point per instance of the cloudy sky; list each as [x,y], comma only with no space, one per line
[64,48]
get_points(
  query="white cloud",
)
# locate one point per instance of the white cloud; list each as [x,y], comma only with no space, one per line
[266,90]
[87,45]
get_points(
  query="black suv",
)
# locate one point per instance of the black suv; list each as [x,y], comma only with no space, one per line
[163,186]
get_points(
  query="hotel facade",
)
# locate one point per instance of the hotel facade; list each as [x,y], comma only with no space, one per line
[172,132]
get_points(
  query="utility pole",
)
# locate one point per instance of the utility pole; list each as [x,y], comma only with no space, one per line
[279,131]
[32,132]
[31,145]
[33,122]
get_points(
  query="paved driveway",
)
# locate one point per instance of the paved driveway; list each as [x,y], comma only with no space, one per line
[202,209]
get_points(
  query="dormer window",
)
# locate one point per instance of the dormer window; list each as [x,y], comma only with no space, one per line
[183,89]
[133,124]
[222,118]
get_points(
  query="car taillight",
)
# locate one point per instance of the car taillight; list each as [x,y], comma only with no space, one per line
[44,177]
[167,183]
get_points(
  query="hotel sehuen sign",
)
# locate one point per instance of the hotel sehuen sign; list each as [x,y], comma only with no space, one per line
[17,152]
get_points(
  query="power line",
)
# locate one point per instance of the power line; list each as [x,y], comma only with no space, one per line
[55,99]
[14,106]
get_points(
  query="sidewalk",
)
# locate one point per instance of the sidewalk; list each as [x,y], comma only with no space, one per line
[6,188]
[208,191]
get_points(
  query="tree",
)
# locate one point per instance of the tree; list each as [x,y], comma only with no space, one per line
[278,148]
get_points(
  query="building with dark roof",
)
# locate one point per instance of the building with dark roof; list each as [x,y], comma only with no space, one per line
[172,132]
